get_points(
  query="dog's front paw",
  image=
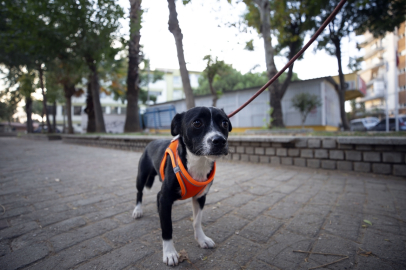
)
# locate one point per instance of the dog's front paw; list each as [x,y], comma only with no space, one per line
[170,255]
[137,213]
[170,258]
[205,242]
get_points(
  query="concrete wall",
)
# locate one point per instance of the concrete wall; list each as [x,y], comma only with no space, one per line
[380,155]
[256,114]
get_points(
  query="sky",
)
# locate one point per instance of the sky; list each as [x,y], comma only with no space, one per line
[205,31]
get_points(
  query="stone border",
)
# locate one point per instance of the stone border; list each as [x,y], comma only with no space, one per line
[42,137]
[380,155]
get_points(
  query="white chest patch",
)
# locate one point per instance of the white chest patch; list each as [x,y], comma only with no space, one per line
[199,166]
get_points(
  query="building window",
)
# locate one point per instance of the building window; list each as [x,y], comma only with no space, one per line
[103,109]
[77,110]
[123,110]
[177,81]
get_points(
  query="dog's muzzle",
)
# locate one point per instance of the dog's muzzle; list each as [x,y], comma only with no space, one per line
[218,145]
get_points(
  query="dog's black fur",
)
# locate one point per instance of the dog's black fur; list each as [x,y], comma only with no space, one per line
[202,131]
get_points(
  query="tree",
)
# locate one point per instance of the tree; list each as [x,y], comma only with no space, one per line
[9,103]
[289,20]
[305,103]
[213,70]
[65,73]
[234,80]
[177,33]
[330,41]
[132,120]
[38,108]
[23,24]
[379,16]
[96,24]
[26,87]
[375,16]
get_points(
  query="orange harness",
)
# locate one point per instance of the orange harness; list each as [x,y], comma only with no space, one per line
[188,185]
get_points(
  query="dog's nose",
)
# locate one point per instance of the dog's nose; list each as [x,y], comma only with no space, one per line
[218,141]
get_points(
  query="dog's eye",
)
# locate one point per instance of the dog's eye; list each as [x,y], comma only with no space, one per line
[197,123]
[225,124]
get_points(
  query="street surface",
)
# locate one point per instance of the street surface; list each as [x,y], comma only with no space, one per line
[66,206]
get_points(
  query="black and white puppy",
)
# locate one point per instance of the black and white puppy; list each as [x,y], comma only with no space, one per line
[202,133]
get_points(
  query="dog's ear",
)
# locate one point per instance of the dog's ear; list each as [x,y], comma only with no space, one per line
[177,124]
[230,127]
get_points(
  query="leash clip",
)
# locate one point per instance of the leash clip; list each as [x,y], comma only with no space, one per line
[176,169]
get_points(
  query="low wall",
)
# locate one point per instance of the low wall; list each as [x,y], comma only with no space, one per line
[380,155]
[41,136]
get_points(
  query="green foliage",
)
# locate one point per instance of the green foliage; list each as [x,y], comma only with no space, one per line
[215,69]
[268,124]
[340,27]
[37,107]
[249,46]
[26,83]
[234,80]
[354,63]
[8,104]
[252,17]
[379,16]
[114,74]
[305,103]
[292,20]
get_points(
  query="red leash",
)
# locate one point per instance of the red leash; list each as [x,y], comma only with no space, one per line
[326,22]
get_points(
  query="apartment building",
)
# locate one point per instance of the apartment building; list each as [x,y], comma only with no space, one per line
[384,73]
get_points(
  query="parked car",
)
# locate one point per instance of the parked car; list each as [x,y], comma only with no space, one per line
[363,124]
[381,126]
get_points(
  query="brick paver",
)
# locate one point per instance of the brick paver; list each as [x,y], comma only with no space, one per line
[69,207]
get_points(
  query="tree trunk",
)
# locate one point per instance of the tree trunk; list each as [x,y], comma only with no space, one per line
[44,98]
[69,90]
[95,89]
[213,92]
[64,124]
[275,96]
[28,110]
[177,33]
[132,120]
[54,117]
[341,92]
[91,119]
[69,114]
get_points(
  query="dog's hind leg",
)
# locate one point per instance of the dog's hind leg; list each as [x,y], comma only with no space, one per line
[145,177]
[201,238]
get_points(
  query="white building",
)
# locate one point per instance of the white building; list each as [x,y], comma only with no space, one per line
[256,114]
[384,72]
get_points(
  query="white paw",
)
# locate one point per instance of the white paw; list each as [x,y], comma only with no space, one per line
[170,255]
[137,213]
[205,242]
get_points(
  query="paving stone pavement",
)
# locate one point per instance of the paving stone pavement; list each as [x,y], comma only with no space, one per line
[69,207]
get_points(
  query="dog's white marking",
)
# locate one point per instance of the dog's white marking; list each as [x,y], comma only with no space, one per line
[170,255]
[199,166]
[137,213]
[206,147]
[201,238]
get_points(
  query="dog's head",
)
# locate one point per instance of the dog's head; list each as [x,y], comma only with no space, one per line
[204,130]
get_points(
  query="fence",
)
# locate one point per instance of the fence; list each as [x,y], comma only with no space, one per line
[159,117]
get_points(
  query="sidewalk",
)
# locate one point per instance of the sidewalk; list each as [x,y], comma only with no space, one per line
[69,207]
